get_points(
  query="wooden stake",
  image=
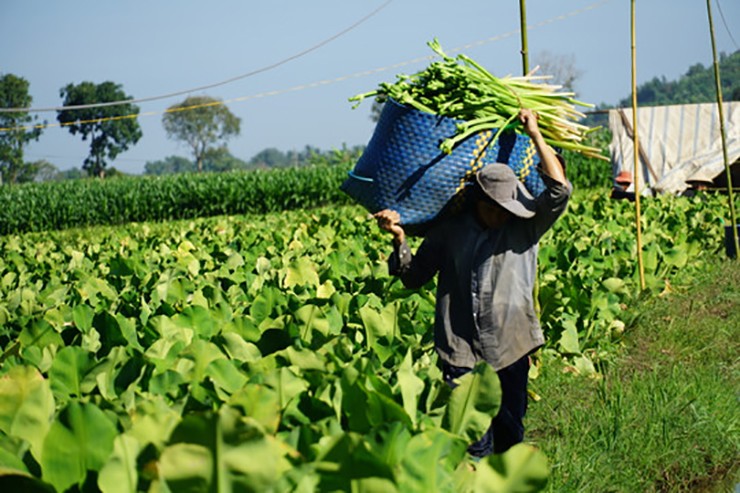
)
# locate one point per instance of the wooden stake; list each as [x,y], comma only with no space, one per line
[523,29]
[718,86]
[635,154]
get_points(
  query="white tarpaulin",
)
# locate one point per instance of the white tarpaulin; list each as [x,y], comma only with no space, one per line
[676,143]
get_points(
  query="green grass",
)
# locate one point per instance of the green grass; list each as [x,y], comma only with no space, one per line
[663,417]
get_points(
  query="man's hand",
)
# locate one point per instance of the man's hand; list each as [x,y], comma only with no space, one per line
[529,118]
[389,220]
[549,163]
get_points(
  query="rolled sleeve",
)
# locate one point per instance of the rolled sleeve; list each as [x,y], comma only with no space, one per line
[400,258]
[551,203]
[414,270]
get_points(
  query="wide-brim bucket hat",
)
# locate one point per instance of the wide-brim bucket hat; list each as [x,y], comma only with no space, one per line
[499,183]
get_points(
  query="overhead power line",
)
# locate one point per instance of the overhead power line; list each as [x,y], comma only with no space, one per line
[724,21]
[209,86]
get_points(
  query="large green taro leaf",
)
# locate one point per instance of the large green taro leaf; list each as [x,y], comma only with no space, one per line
[366,408]
[286,384]
[473,403]
[429,460]
[80,440]
[260,403]
[411,386]
[301,272]
[68,371]
[222,452]
[198,319]
[26,406]
[521,469]
[226,376]
[153,421]
[39,333]
[346,462]
[186,467]
[82,315]
[238,349]
[120,473]
[381,327]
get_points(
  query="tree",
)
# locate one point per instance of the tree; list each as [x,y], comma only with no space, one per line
[202,122]
[44,171]
[220,159]
[268,158]
[112,129]
[19,127]
[41,170]
[562,68]
[697,85]
[70,174]
[169,165]
[274,158]
[377,108]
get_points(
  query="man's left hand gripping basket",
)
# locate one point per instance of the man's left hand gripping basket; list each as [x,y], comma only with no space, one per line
[403,168]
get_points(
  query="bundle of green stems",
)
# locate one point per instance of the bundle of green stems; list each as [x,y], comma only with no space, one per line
[461,89]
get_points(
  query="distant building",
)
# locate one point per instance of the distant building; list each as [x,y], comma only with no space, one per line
[680,146]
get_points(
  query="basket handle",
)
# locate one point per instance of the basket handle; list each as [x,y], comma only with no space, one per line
[360,178]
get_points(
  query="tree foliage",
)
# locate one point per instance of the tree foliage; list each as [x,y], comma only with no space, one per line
[70,174]
[377,108]
[111,129]
[41,170]
[697,85]
[274,158]
[169,165]
[202,122]
[587,172]
[19,129]
[219,159]
[562,69]
[216,159]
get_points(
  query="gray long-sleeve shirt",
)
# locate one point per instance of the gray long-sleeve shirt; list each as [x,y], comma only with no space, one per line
[485,306]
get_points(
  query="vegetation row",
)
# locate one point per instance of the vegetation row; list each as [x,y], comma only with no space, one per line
[75,203]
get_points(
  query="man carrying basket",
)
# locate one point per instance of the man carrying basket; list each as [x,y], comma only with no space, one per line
[486,262]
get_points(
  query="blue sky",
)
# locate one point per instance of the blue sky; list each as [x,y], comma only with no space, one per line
[159,47]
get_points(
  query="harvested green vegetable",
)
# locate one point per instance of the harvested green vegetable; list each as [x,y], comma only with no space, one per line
[462,89]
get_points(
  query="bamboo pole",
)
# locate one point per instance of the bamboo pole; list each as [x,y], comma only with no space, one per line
[525,71]
[728,174]
[523,29]
[635,154]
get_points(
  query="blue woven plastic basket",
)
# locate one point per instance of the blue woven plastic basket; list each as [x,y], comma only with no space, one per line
[402,167]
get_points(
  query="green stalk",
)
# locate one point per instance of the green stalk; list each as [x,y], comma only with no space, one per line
[462,89]
[450,143]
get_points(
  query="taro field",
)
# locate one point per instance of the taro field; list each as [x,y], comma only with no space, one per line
[273,353]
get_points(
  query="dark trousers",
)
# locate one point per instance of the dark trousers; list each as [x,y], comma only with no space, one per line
[507,428]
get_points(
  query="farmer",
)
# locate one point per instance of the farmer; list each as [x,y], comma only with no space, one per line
[486,259]
[698,185]
[622,183]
